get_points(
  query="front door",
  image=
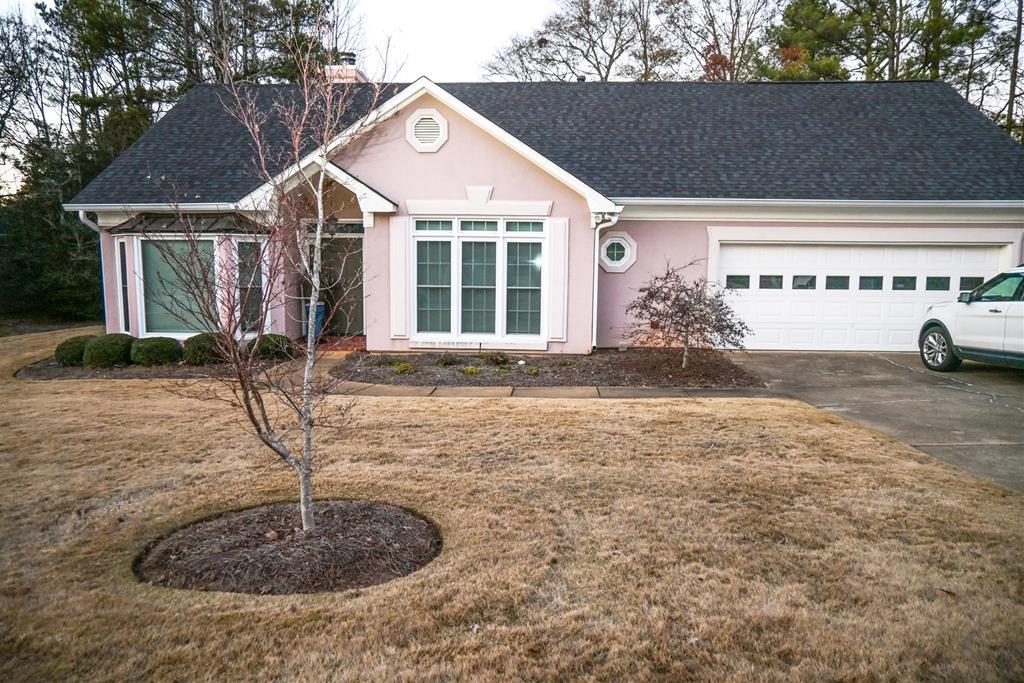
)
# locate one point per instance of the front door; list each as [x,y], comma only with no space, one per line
[343,282]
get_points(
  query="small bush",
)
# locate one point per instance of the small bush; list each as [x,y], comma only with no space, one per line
[201,349]
[531,370]
[470,370]
[156,351]
[448,359]
[70,351]
[495,357]
[108,350]
[403,368]
[275,346]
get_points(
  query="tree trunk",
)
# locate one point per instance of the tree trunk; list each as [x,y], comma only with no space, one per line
[306,499]
[686,354]
[1014,66]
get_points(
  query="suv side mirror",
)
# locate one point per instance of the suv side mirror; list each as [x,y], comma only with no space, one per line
[964,298]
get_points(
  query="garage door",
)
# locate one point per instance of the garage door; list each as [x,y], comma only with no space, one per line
[845,297]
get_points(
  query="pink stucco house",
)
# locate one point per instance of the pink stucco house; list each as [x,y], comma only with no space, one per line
[524,216]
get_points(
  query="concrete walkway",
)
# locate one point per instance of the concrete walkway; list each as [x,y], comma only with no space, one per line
[364,389]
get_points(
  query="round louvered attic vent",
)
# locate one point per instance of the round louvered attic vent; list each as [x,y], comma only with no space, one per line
[426,130]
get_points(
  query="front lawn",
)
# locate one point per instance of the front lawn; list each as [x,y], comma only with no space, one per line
[617,540]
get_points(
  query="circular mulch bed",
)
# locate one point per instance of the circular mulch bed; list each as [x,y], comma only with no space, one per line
[263,550]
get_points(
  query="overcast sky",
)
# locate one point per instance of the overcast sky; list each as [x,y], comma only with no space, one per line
[447,40]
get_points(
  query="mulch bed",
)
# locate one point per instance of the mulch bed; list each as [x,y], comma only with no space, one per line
[640,367]
[262,550]
[49,369]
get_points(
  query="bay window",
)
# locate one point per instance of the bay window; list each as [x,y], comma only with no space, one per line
[478,280]
[169,305]
[250,285]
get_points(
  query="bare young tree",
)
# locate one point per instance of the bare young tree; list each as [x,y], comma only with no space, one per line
[234,286]
[673,310]
[584,39]
[719,39]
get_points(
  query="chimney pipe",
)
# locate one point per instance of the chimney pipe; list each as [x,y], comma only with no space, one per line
[345,71]
[581,79]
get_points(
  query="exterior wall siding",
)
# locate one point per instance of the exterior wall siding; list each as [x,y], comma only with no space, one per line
[470,157]
[679,242]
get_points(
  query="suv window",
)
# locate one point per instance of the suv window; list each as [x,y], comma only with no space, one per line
[1005,287]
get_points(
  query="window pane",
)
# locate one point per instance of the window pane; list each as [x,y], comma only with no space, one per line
[524,226]
[737,282]
[903,283]
[433,225]
[480,226]
[479,274]
[837,282]
[870,281]
[770,282]
[615,252]
[122,255]
[522,305]
[169,308]
[1001,288]
[250,285]
[805,282]
[969,283]
[937,284]
[433,286]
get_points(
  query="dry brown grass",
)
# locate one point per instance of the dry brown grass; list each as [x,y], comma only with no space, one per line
[703,539]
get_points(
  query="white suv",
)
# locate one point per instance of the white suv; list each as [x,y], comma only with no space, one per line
[986,324]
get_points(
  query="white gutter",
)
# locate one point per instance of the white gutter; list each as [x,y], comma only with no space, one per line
[841,203]
[87,221]
[609,219]
[151,208]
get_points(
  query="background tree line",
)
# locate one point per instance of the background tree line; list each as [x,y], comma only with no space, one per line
[972,44]
[83,82]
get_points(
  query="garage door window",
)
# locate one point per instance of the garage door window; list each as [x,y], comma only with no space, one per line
[937,284]
[969,283]
[837,282]
[903,283]
[805,282]
[770,282]
[737,282]
[872,282]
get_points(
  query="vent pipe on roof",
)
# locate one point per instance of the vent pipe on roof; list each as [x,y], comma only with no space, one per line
[581,79]
[346,70]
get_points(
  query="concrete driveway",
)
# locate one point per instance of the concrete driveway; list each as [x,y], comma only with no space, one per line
[972,418]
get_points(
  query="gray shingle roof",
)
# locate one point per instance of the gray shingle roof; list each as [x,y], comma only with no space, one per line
[860,141]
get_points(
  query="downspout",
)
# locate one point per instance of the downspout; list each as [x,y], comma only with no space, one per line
[88,222]
[601,221]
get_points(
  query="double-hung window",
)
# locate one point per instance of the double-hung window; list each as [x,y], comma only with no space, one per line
[479,278]
[250,285]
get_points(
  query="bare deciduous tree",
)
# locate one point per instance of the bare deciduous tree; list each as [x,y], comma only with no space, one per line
[676,311]
[217,285]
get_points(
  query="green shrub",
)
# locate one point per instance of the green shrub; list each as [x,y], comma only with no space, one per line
[70,351]
[156,351]
[494,357]
[531,370]
[201,349]
[403,368]
[275,346]
[108,350]
[470,370]
[448,358]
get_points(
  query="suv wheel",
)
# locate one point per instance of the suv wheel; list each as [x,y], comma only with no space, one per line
[937,350]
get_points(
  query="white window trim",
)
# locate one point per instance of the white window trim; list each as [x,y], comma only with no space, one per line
[618,237]
[500,339]
[122,278]
[140,284]
[410,130]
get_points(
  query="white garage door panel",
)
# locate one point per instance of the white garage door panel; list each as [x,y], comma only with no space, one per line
[845,319]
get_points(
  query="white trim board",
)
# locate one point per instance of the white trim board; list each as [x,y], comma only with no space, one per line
[478,203]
